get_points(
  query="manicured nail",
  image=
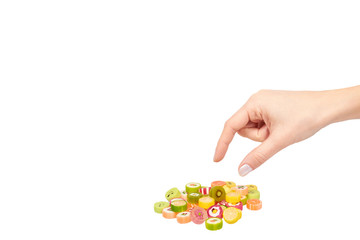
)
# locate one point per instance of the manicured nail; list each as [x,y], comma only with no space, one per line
[244,170]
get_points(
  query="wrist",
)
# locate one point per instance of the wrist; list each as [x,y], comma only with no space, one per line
[341,104]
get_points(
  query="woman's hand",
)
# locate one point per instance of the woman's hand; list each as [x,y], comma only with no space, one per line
[281,118]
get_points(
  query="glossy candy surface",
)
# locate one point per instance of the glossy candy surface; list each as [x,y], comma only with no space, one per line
[206,202]
[254,204]
[213,224]
[183,217]
[168,213]
[198,215]
[233,197]
[215,211]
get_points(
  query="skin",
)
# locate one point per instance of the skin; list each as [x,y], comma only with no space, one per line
[278,119]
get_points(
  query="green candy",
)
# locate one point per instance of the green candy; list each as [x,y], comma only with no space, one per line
[178,205]
[172,193]
[217,193]
[244,200]
[253,194]
[194,197]
[159,206]
[213,224]
[192,187]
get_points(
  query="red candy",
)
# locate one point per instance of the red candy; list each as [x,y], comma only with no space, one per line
[205,190]
[223,202]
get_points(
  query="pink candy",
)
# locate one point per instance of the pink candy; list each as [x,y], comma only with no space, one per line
[198,215]
[215,211]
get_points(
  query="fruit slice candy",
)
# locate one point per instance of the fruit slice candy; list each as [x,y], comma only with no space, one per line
[232,215]
[218,193]
[253,194]
[218,183]
[242,189]
[198,215]
[168,213]
[213,223]
[254,204]
[183,217]
[192,187]
[215,211]
[172,193]
[194,197]
[206,202]
[233,197]
[159,206]
[178,205]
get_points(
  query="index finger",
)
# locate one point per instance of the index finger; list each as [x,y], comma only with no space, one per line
[234,124]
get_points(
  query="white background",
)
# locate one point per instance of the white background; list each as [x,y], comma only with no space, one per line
[105,105]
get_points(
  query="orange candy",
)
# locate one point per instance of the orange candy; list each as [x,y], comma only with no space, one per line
[254,204]
[168,213]
[183,217]
[218,183]
[243,189]
[191,205]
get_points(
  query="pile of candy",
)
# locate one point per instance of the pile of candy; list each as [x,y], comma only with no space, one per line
[199,204]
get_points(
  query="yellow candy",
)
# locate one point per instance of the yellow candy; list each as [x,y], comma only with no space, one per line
[230,184]
[226,188]
[232,215]
[251,187]
[233,197]
[206,202]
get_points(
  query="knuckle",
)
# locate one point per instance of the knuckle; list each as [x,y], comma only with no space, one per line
[228,124]
[259,94]
[262,91]
[262,137]
[254,98]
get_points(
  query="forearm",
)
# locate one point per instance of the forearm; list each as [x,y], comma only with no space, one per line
[342,104]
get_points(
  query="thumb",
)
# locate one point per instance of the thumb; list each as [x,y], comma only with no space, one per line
[260,154]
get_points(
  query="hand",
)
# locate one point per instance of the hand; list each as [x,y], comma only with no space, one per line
[281,118]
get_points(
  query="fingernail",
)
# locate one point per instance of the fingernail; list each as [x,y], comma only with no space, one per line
[244,170]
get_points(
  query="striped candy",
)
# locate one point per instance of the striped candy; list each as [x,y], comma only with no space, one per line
[205,190]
